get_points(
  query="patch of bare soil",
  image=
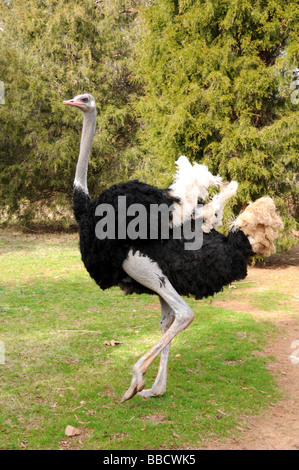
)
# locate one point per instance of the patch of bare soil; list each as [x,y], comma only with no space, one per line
[276,428]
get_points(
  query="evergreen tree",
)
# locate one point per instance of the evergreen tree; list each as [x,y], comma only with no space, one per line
[211,79]
[51,51]
[217,78]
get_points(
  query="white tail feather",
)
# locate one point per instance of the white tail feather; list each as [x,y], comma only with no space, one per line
[191,184]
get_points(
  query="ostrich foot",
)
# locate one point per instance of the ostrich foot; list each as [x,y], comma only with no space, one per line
[136,386]
[151,392]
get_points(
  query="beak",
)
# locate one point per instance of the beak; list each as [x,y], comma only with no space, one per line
[72,103]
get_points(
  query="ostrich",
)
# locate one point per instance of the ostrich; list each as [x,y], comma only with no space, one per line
[164,267]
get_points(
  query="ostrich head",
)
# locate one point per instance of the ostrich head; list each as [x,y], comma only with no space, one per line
[85,102]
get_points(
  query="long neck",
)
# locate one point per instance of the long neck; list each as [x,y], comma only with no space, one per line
[89,126]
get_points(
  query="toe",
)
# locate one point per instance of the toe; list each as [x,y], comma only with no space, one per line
[136,386]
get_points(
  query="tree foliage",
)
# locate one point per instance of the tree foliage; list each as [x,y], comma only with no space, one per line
[217,78]
[211,79]
[51,51]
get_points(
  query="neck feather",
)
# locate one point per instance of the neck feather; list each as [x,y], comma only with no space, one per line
[89,126]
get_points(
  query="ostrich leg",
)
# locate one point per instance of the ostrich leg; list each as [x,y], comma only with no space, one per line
[159,386]
[147,272]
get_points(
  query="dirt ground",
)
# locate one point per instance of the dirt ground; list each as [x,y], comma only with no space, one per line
[277,428]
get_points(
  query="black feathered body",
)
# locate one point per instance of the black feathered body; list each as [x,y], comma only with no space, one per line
[103,259]
[200,273]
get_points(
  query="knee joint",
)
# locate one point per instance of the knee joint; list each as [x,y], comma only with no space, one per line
[186,317]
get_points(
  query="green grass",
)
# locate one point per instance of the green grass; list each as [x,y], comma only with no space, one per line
[270,299]
[58,371]
[263,299]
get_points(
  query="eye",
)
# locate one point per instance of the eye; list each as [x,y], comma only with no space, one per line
[85,100]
